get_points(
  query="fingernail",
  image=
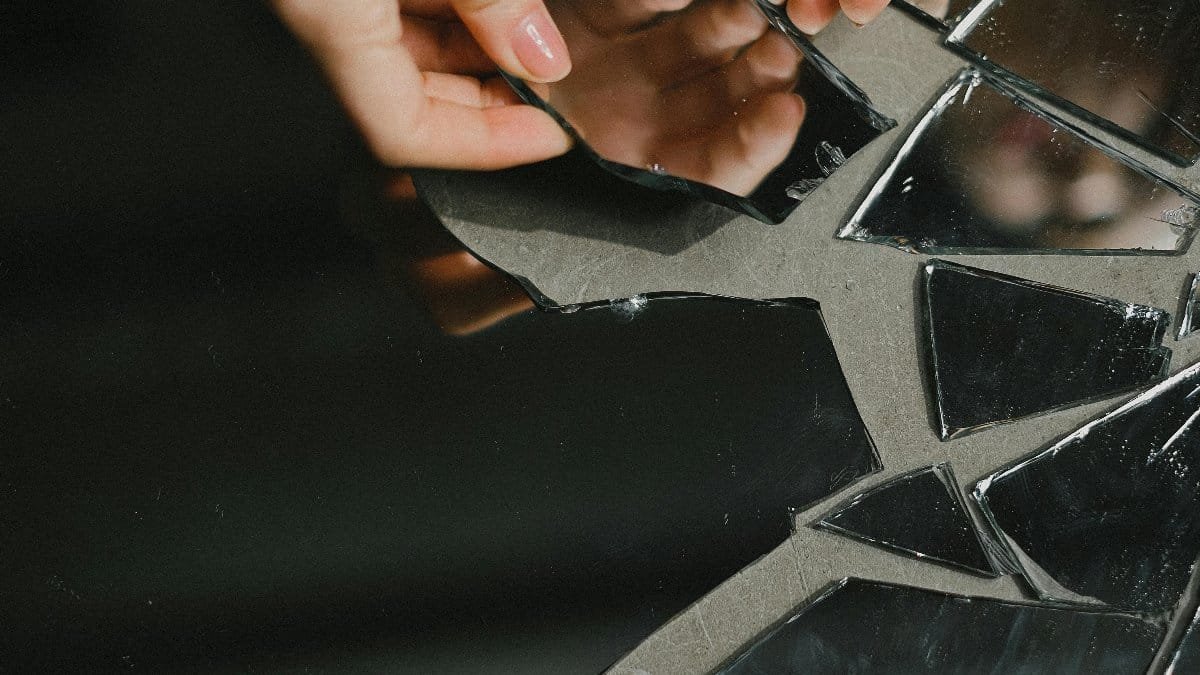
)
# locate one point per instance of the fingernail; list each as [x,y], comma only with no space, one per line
[540,48]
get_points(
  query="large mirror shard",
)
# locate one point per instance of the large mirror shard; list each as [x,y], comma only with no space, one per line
[987,171]
[921,514]
[1131,66]
[723,100]
[870,627]
[1000,348]
[1110,514]
[263,447]
[1185,658]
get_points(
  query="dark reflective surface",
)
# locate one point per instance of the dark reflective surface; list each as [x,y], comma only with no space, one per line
[721,99]
[360,447]
[1132,65]
[1186,658]
[1109,514]
[1191,309]
[986,171]
[870,627]
[921,514]
[1000,348]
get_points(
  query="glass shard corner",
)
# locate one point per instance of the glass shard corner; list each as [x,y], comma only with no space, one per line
[1129,66]
[920,514]
[987,171]
[938,14]
[1191,309]
[677,101]
[1000,348]
[863,626]
[1109,514]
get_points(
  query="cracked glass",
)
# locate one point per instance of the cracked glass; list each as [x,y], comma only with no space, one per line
[1131,66]
[987,171]
[723,100]
[920,514]
[1109,514]
[863,626]
[250,446]
[1000,348]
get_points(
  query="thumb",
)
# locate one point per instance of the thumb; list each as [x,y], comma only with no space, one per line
[519,35]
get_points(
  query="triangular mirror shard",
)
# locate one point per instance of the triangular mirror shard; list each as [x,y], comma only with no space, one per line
[1110,514]
[988,171]
[1000,348]
[1190,315]
[860,626]
[921,514]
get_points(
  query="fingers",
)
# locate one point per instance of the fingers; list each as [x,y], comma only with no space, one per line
[614,17]
[444,47]
[811,16]
[737,155]
[519,35]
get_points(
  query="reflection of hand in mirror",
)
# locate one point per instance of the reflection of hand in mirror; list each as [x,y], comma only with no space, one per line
[699,89]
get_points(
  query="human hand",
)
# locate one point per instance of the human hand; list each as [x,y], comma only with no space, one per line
[810,16]
[698,89]
[418,77]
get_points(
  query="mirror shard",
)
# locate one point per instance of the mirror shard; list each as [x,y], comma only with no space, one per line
[1191,309]
[871,627]
[663,100]
[987,171]
[920,514]
[1001,348]
[1109,514]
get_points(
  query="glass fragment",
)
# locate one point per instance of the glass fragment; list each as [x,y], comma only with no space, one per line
[1191,309]
[723,100]
[921,514]
[1130,66]
[870,627]
[1186,656]
[260,446]
[1110,514]
[986,171]
[1001,348]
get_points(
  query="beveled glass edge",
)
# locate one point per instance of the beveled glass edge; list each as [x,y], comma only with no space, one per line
[971,77]
[1187,318]
[1161,318]
[956,41]
[945,474]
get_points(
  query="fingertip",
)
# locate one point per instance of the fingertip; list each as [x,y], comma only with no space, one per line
[863,12]
[811,16]
[540,48]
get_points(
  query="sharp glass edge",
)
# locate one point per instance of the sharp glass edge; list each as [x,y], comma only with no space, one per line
[921,16]
[956,41]
[666,182]
[944,474]
[979,492]
[1187,318]
[971,77]
[1161,317]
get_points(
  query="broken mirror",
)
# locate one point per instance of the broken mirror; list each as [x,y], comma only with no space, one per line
[1130,66]
[863,626]
[921,514]
[1110,514]
[265,448]
[1191,309]
[1000,348]
[939,14]
[986,171]
[723,99]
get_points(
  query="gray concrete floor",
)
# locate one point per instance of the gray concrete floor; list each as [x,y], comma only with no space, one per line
[867,294]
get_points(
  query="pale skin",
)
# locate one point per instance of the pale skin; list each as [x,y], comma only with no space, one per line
[418,76]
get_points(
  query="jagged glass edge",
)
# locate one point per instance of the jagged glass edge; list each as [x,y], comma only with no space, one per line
[945,433]
[979,493]
[1187,318]
[971,77]
[931,21]
[946,475]
[665,182]
[956,41]
[835,587]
